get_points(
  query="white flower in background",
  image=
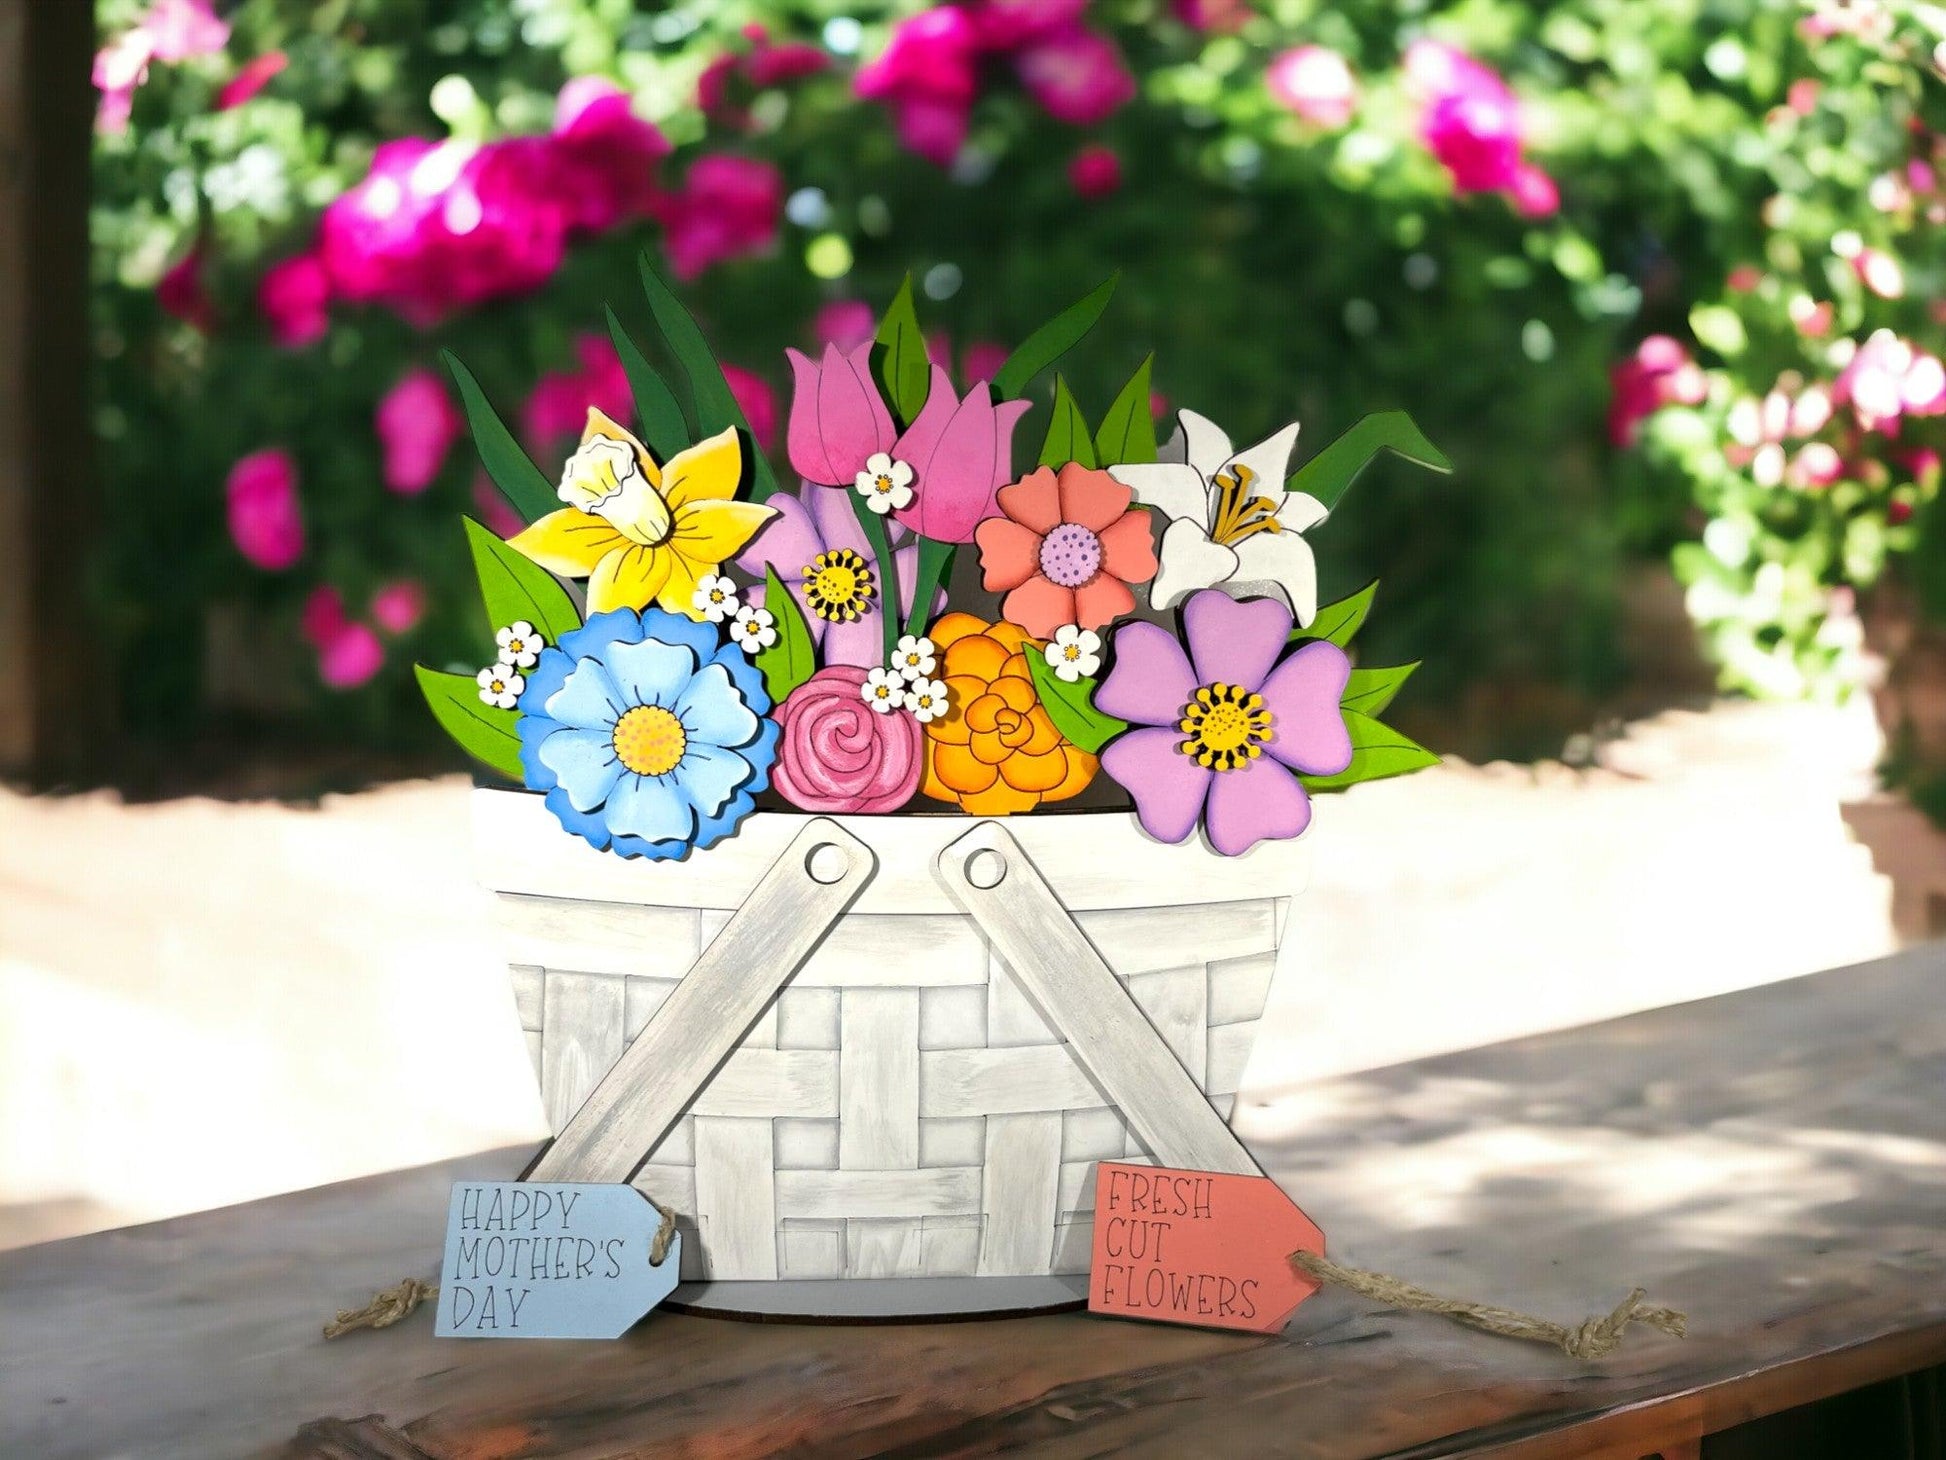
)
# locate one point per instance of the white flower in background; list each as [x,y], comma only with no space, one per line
[883,690]
[1074,653]
[715,597]
[753,629]
[915,658]
[500,686]
[519,645]
[1232,525]
[885,484]
[927,699]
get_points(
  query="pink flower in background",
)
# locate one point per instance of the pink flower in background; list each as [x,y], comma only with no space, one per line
[323,615]
[183,29]
[1535,194]
[1659,373]
[181,292]
[293,296]
[1219,15]
[1471,122]
[961,453]
[838,418]
[398,606]
[496,514]
[845,323]
[775,64]
[757,401]
[120,67]
[1802,97]
[1077,75]
[170,31]
[1743,279]
[417,423]
[558,405]
[1006,25]
[764,65]
[728,207]
[1879,272]
[1885,378]
[927,76]
[372,238]
[606,156]
[251,79]
[984,359]
[1095,171]
[1314,82]
[351,657]
[266,522]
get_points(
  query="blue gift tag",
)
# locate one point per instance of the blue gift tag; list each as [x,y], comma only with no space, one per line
[550,1260]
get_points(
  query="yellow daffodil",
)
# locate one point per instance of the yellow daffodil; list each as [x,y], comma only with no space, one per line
[642,533]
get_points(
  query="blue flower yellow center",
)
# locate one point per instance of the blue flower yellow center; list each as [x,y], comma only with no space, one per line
[1226,725]
[649,740]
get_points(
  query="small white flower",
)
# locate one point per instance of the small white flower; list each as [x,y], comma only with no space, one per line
[927,699]
[883,690]
[500,686]
[753,629]
[1075,653]
[715,597]
[914,658]
[885,484]
[519,645]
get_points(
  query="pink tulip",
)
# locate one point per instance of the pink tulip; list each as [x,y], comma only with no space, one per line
[961,454]
[1315,83]
[1095,172]
[1076,75]
[417,423]
[252,78]
[838,418]
[845,323]
[293,296]
[398,606]
[266,521]
[727,208]
[757,401]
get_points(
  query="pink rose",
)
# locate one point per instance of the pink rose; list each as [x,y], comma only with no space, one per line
[1095,172]
[182,29]
[928,75]
[757,401]
[604,155]
[837,753]
[266,522]
[1006,25]
[416,423]
[251,79]
[1077,76]
[727,208]
[293,296]
[1315,83]
[323,616]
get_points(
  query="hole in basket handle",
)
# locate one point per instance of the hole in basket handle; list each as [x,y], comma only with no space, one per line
[985,869]
[827,863]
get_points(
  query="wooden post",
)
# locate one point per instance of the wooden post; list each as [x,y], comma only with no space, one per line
[50,698]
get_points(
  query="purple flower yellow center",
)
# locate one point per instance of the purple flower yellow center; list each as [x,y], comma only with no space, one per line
[1226,725]
[1070,555]
[838,586]
[1238,514]
[649,740]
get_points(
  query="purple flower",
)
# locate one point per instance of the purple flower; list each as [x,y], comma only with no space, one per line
[961,454]
[1076,75]
[813,523]
[838,418]
[1220,731]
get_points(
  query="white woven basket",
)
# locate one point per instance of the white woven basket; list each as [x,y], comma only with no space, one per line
[900,1109]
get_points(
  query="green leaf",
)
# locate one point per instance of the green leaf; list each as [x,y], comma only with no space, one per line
[1719,327]
[793,658]
[1070,705]
[1331,472]
[511,469]
[879,538]
[1051,341]
[1370,690]
[486,734]
[714,403]
[1377,751]
[1337,622]
[934,560]
[664,431]
[1127,434]
[517,588]
[1067,434]
[903,365]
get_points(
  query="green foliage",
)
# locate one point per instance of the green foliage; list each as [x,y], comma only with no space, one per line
[511,469]
[902,364]
[1329,475]
[1369,691]
[515,589]
[1052,340]
[1070,705]
[1377,753]
[486,734]
[793,658]
[1127,433]
[1067,436]
[1336,623]
[657,411]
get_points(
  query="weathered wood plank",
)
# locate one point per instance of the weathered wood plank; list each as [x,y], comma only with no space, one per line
[1176,1004]
[878,1083]
[968,1082]
[736,1203]
[1023,1176]
[936,1192]
[759,1083]
[582,1038]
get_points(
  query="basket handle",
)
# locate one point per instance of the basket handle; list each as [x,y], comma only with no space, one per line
[1075,991]
[787,914]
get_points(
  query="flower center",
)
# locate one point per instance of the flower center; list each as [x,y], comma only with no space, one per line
[1226,725]
[1071,652]
[1070,555]
[649,740]
[1238,514]
[838,586]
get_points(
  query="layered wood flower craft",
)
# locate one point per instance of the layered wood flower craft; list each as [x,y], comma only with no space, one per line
[1145,626]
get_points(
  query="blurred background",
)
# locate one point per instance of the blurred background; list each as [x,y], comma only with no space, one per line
[1661,277]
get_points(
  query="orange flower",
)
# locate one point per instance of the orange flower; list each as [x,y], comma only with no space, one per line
[996,752]
[1067,549]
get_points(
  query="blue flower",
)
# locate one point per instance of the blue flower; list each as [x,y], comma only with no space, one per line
[647,733]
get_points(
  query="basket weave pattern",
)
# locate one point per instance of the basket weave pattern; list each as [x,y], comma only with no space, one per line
[900,1109]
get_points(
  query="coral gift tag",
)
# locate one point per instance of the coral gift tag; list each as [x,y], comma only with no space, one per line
[1197,1247]
[531,1259]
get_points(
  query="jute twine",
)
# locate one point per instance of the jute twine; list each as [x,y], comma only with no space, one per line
[1593,1338]
[389,1305]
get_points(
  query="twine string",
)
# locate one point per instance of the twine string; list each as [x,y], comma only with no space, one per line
[1592,1338]
[389,1305]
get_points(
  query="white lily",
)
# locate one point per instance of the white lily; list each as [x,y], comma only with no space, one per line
[1231,523]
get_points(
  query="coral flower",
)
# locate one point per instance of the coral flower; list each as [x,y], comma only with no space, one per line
[995,752]
[642,533]
[1067,549]
[961,450]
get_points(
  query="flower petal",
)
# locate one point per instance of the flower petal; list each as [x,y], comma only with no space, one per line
[711,470]
[1307,728]
[1268,462]
[569,542]
[711,775]
[654,808]
[1205,445]
[584,765]
[1128,548]
[1092,498]
[651,672]
[1150,680]
[714,532]
[1235,641]
[589,700]
[1041,606]
[633,577]
[1034,501]
[1100,602]
[860,643]
[1189,560]
[1169,788]
[1301,512]
[1009,553]
[787,542]
[602,427]
[1260,801]
[1280,564]
[713,712]
[1176,491]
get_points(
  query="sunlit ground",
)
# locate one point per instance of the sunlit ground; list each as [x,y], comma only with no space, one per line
[202,1003]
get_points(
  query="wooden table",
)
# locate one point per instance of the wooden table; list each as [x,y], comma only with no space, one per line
[1774,1162]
